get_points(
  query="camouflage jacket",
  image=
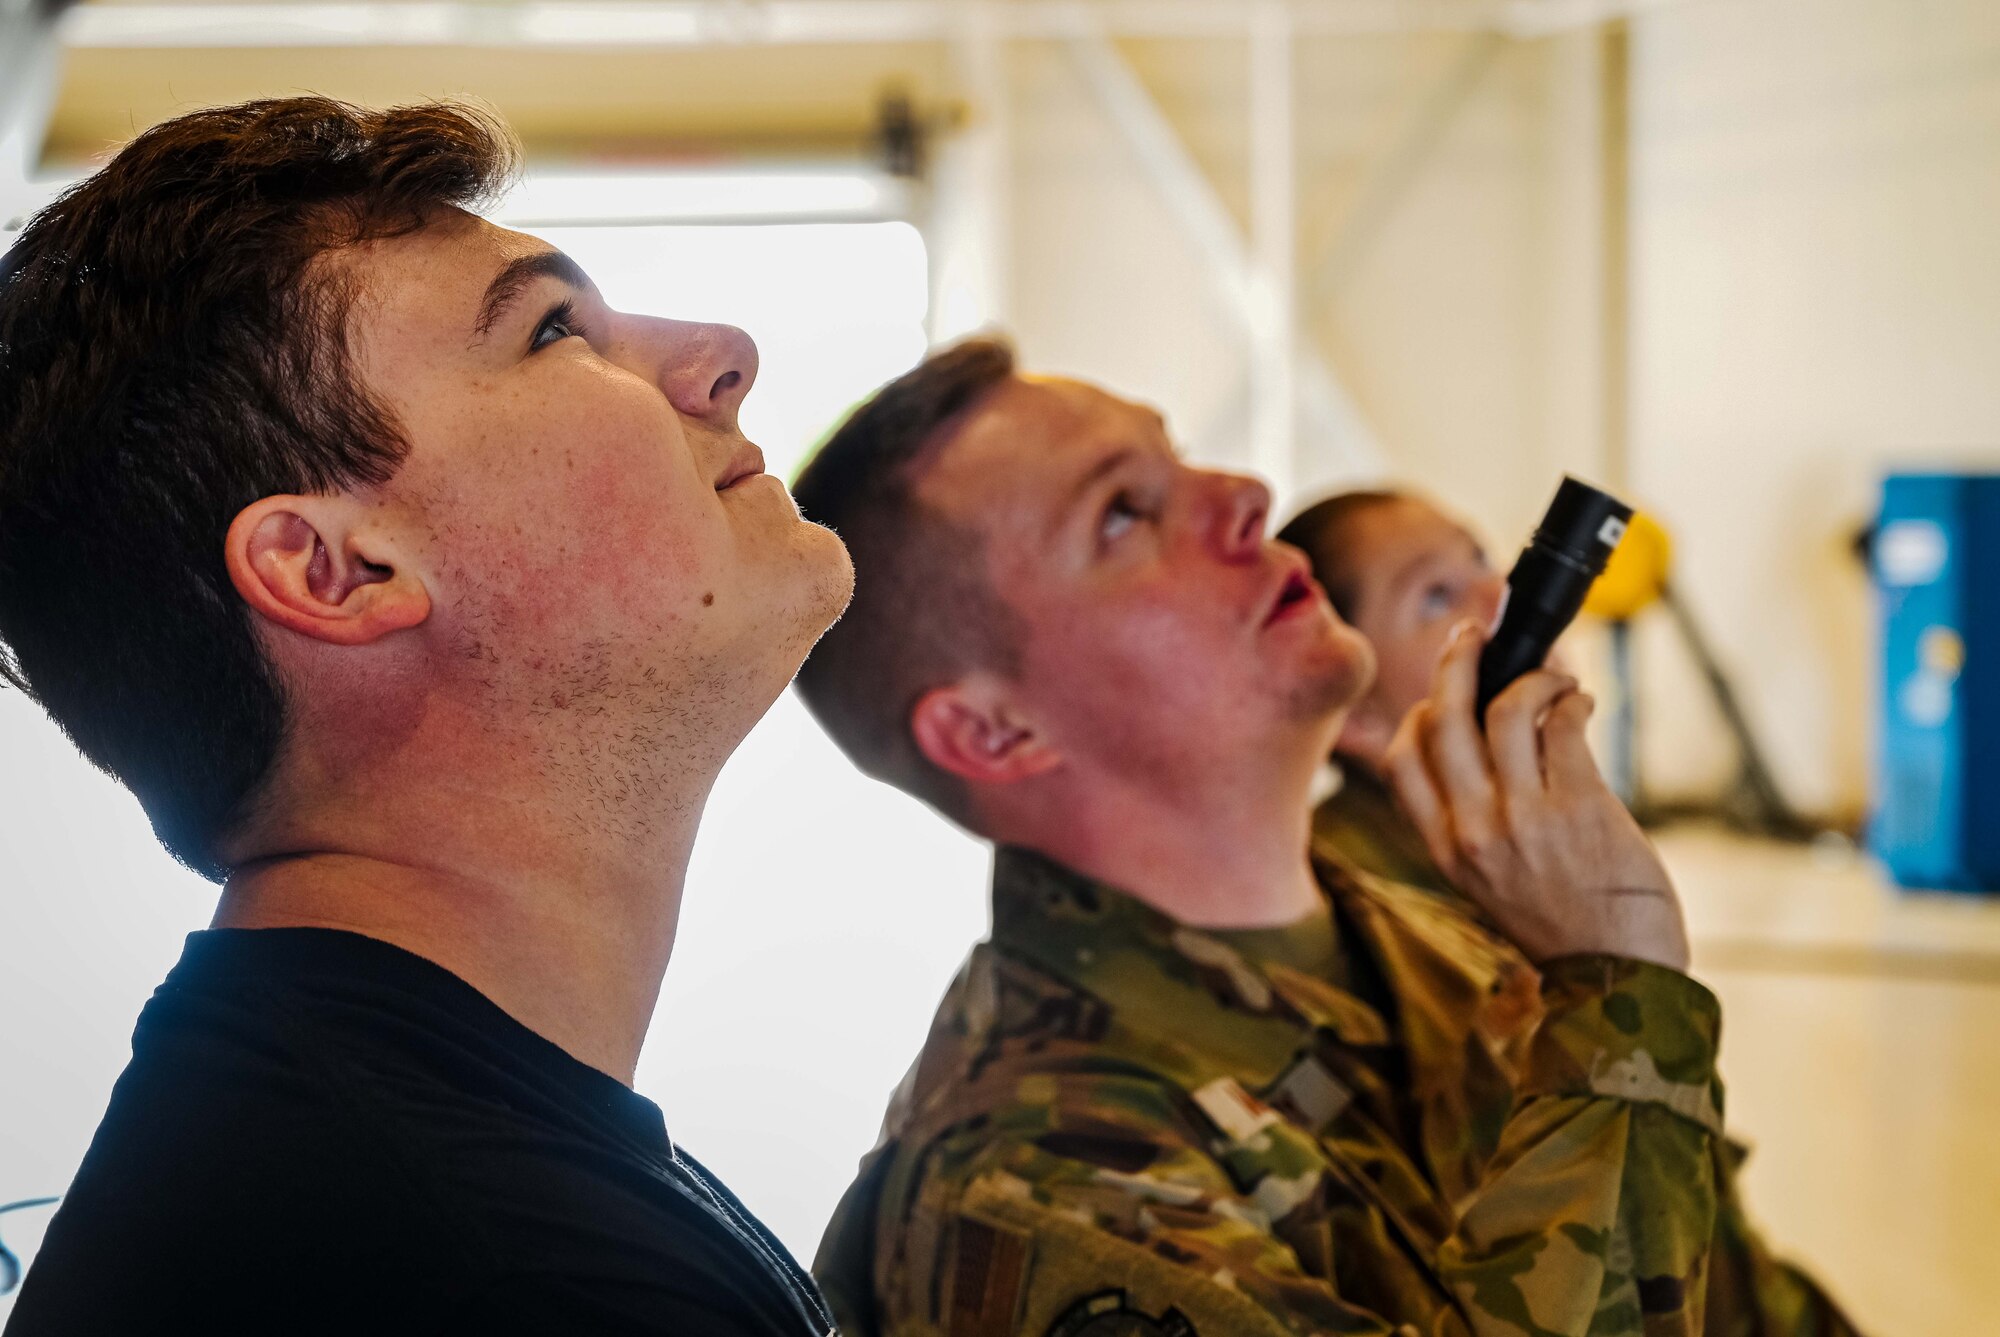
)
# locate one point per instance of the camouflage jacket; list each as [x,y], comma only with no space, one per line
[1120,1125]
[1751,1291]
[1361,824]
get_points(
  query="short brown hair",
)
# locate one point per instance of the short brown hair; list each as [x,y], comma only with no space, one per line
[1320,530]
[924,611]
[169,353]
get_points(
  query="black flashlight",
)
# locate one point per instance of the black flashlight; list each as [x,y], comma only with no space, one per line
[1547,585]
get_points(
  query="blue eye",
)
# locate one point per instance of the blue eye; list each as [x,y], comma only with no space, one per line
[1119,517]
[1437,601]
[559,324]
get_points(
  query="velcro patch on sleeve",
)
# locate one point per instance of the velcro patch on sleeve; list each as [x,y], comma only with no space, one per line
[989,1265]
[1311,1093]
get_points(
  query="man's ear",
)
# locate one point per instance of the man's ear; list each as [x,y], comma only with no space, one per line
[309,565]
[967,729]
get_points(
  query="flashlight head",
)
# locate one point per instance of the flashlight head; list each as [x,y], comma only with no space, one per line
[1583,525]
[1547,585]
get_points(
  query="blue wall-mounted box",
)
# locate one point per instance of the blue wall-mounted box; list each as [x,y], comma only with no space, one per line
[1936,559]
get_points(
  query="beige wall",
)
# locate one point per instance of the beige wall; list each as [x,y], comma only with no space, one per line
[1816,298]
[1466,322]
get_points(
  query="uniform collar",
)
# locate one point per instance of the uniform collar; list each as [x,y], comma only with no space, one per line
[1156,972]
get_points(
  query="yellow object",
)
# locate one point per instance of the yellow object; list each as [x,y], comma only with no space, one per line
[1941,652]
[1636,573]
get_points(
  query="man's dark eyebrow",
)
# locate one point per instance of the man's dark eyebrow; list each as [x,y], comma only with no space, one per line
[513,280]
[1109,464]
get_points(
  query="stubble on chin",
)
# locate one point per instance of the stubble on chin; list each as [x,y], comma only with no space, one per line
[825,588]
[1334,685]
[836,589]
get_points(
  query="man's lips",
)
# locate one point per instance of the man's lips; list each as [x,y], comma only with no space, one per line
[747,462]
[1297,591]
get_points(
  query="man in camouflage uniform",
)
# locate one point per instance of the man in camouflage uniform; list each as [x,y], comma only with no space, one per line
[1198,1082]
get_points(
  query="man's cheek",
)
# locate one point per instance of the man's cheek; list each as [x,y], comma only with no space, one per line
[647,542]
[1164,652]
[596,527]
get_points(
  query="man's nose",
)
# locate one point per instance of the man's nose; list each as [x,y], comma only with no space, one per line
[704,370]
[1243,507]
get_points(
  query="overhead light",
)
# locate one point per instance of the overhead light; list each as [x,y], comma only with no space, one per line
[680,23]
[603,23]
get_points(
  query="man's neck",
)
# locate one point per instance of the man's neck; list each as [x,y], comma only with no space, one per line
[566,929]
[1229,856]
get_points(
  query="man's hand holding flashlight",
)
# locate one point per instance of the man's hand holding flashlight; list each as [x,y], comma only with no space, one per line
[1521,821]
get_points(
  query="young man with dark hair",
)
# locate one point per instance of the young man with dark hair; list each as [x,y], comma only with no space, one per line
[419,597]
[1199,1081]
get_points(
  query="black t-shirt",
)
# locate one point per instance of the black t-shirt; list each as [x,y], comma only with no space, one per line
[322,1133]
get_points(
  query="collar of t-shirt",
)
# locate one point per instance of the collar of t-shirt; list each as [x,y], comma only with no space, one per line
[293,957]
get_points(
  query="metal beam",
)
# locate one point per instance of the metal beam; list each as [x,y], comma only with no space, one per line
[1274,211]
[1242,290]
[969,227]
[1387,181]
[1615,311]
[1182,186]
[692,23]
[30,60]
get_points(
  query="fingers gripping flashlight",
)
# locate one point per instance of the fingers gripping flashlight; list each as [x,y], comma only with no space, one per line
[1547,585]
